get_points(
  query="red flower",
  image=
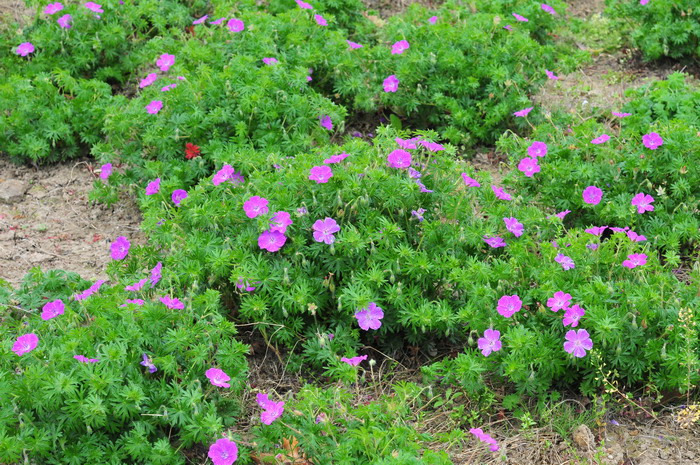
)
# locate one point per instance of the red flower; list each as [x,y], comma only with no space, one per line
[191,151]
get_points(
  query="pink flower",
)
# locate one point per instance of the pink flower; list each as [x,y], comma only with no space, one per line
[271,410]
[485,438]
[227,173]
[25,344]
[178,196]
[105,171]
[139,302]
[320,174]
[514,226]
[168,87]
[235,25]
[24,49]
[399,47]
[491,342]
[223,452]
[148,80]
[601,139]
[643,202]
[432,146]
[370,317]
[218,21]
[652,141]
[320,20]
[470,182]
[399,159]
[508,305]
[537,149]
[529,166]
[154,107]
[218,377]
[326,122]
[303,5]
[621,115]
[561,215]
[94,7]
[52,309]
[280,221]
[173,303]
[596,230]
[495,241]
[153,187]
[578,342]
[269,61]
[137,286]
[643,2]
[391,84]
[353,45]
[572,315]
[120,248]
[354,361]
[165,61]
[89,291]
[522,19]
[548,9]
[271,241]
[559,301]
[566,262]
[634,237]
[508,27]
[324,230]
[200,20]
[500,193]
[634,260]
[84,359]
[432,19]
[255,206]
[156,274]
[551,75]
[408,144]
[523,112]
[64,21]
[336,158]
[53,8]
[592,195]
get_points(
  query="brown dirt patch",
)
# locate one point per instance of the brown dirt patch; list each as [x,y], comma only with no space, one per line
[15,11]
[387,8]
[55,226]
[585,8]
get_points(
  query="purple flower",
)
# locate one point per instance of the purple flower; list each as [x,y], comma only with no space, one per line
[391,84]
[551,75]
[592,195]
[572,315]
[520,18]
[324,230]
[485,438]
[652,141]
[432,19]
[148,363]
[178,196]
[601,139]
[89,291]
[418,214]
[24,49]
[173,303]
[271,241]
[53,8]
[353,45]
[148,80]
[643,2]
[168,88]
[137,286]
[370,317]
[578,342]
[548,9]
[218,377]
[514,226]
[508,305]
[643,202]
[408,144]
[523,112]
[154,107]
[156,274]
[52,309]
[303,5]
[634,237]
[320,174]
[399,47]
[634,260]
[508,27]
[105,171]
[596,230]
[560,300]
[235,25]
[120,248]
[470,182]
[64,21]
[269,61]
[561,215]
[432,146]
[84,359]
[529,166]
[495,241]
[354,361]
[621,115]
[326,122]
[26,343]
[500,193]
[491,342]
[200,20]
[153,187]
[414,174]
[566,262]
[255,206]
[399,159]
[336,158]
[592,246]
[320,20]
[218,21]
[165,61]
[223,452]
[271,410]
[537,149]
[94,7]
[227,173]
[280,221]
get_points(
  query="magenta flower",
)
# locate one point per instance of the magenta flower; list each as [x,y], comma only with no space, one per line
[64,21]
[470,182]
[148,80]
[326,122]
[652,141]
[537,149]
[408,144]
[271,410]
[494,241]
[551,75]
[280,221]
[223,452]
[514,226]
[353,45]
[508,305]
[485,438]
[165,61]
[269,61]
[173,303]
[28,342]
[94,7]
[596,230]
[120,248]
[566,262]
[432,146]
[218,21]
[592,195]
[643,2]
[137,286]
[578,342]
[354,361]
[154,107]
[324,230]
[138,302]
[320,174]
[218,377]
[53,8]
[24,49]
[105,171]
[500,193]
[529,166]
[168,88]
[432,19]
[634,237]
[303,5]
[491,342]
[643,202]
[559,301]
[370,317]
[601,139]
[84,359]
[399,159]
[572,315]
[255,206]
[391,84]
[634,260]
[548,9]
[561,215]
[178,196]
[153,187]
[148,363]
[508,27]
[156,274]
[52,309]
[200,20]
[89,291]
[399,47]
[320,20]
[621,115]
[235,25]
[523,112]
[520,18]
[336,158]
[271,241]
